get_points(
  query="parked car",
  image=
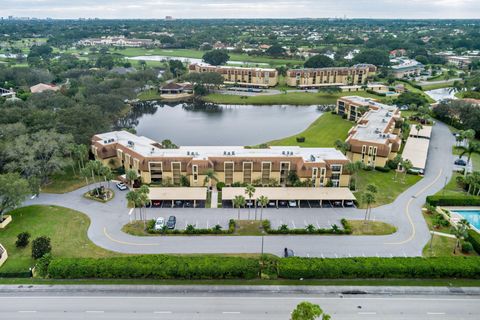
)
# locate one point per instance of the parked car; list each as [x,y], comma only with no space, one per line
[460,162]
[288,253]
[292,203]
[156,203]
[121,186]
[171,222]
[159,223]
[349,203]
[272,204]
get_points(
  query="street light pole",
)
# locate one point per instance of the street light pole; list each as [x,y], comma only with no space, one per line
[262,246]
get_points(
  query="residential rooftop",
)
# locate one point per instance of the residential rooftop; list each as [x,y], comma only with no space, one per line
[149,148]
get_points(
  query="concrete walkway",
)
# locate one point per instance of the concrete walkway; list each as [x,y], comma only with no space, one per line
[405,213]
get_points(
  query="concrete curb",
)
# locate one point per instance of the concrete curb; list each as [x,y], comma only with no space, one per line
[241,289]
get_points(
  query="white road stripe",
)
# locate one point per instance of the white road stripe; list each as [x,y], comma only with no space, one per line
[163,312]
[435,313]
[27,311]
[94,311]
[293,223]
[231,312]
[365,313]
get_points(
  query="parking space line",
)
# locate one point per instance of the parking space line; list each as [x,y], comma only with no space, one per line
[186,224]
[207,224]
[318,226]
[305,222]
[293,223]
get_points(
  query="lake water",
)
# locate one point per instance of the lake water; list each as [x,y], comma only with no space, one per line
[441,94]
[188,60]
[223,125]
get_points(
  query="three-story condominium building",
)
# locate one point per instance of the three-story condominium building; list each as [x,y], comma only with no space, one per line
[247,77]
[315,78]
[154,164]
[375,139]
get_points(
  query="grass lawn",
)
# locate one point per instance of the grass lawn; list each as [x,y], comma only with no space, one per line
[291,98]
[437,86]
[66,228]
[452,188]
[429,220]
[149,95]
[388,187]
[64,182]
[323,132]
[360,227]
[443,247]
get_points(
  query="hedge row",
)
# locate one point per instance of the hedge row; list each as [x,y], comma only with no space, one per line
[155,267]
[316,268]
[474,239]
[453,200]
[268,229]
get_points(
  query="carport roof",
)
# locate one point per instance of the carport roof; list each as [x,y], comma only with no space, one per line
[178,193]
[292,193]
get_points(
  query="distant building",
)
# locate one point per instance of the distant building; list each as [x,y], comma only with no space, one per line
[168,18]
[176,88]
[246,77]
[219,45]
[123,70]
[117,41]
[314,78]
[375,139]
[41,87]
[460,62]
[404,67]
[398,53]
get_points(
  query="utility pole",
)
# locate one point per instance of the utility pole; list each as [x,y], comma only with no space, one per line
[262,246]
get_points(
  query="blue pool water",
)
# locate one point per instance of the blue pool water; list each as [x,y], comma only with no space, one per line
[472,216]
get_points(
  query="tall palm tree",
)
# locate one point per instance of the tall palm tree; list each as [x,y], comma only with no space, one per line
[238,201]
[209,176]
[263,203]
[131,176]
[133,198]
[418,127]
[407,165]
[368,198]
[460,231]
[473,147]
[249,191]
[353,168]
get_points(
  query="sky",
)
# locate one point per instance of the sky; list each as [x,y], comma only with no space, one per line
[158,9]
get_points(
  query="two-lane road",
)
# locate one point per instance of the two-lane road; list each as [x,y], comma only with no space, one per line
[234,306]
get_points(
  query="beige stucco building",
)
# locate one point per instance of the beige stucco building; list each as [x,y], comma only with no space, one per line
[239,76]
[315,78]
[375,138]
[154,164]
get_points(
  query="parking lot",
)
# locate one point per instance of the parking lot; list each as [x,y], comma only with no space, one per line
[294,218]
[176,204]
[308,204]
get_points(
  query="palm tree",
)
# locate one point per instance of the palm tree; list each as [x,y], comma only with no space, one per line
[460,137]
[460,230]
[354,167]
[473,147]
[342,146]
[209,176]
[368,198]
[407,165]
[418,127]
[469,135]
[143,192]
[238,201]
[133,198]
[131,176]
[249,191]
[263,203]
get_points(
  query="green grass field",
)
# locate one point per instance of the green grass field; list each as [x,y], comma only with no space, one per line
[388,187]
[376,228]
[323,132]
[66,228]
[443,247]
[292,98]
[64,182]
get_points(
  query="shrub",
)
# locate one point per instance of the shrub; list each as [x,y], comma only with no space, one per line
[220,185]
[42,265]
[155,267]
[382,169]
[300,139]
[467,247]
[440,200]
[22,240]
[40,247]
[474,239]
[318,268]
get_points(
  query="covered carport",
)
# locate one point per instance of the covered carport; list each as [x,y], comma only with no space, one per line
[300,196]
[171,196]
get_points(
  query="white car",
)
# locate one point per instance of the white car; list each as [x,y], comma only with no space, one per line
[292,203]
[159,224]
[121,186]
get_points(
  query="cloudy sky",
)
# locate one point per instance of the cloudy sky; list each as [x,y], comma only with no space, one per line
[242,8]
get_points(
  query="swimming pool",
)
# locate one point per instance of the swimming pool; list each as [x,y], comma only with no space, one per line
[472,216]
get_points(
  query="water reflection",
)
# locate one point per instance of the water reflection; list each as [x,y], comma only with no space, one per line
[210,124]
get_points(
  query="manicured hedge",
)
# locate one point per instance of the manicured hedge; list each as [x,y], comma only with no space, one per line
[453,200]
[474,239]
[155,267]
[316,268]
[346,229]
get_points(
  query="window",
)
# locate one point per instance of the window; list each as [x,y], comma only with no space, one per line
[266,168]
[176,172]
[195,172]
[336,168]
[284,170]
[364,150]
[156,171]
[323,172]
[314,176]
[228,167]
[247,172]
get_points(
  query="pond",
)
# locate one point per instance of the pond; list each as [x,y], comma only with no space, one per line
[188,124]
[189,60]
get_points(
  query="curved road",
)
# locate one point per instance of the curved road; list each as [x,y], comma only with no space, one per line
[405,213]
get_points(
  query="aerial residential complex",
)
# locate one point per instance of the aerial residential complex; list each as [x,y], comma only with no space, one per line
[154,164]
[375,139]
[314,78]
[255,77]
[404,67]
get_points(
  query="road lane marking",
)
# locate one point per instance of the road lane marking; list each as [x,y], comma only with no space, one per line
[125,242]
[407,211]
[95,311]
[231,312]
[435,313]
[293,223]
[163,312]
[366,313]
[27,311]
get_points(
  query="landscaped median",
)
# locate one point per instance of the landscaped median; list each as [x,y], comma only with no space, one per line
[215,267]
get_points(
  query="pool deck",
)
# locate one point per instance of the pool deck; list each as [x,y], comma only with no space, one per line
[455,217]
